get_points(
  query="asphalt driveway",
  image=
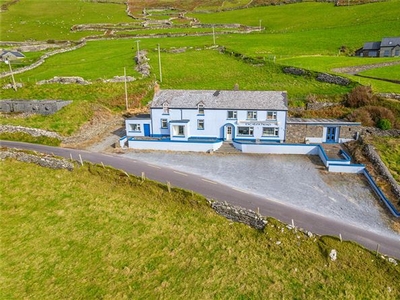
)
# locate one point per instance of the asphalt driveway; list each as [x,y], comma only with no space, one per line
[297,180]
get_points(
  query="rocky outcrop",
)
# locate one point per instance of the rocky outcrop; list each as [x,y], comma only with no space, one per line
[44,160]
[65,80]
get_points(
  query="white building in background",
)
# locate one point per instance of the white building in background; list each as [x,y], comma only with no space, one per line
[200,120]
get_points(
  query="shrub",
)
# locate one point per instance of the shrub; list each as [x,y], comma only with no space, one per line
[384,124]
[372,115]
[360,96]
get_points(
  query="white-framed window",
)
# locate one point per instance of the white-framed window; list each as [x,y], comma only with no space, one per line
[164,123]
[135,127]
[232,114]
[270,131]
[271,115]
[165,108]
[246,131]
[251,115]
[178,130]
[200,124]
[200,109]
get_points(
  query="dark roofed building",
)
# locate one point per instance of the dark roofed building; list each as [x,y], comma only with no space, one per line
[11,55]
[388,47]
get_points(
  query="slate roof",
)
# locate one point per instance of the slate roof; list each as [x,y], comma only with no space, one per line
[320,121]
[257,100]
[12,53]
[390,42]
[372,46]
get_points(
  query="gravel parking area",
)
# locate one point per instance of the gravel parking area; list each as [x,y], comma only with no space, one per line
[292,179]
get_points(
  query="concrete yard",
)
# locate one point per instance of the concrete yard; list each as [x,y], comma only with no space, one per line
[298,180]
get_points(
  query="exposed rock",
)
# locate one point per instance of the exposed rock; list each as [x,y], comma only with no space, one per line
[333,255]
[65,80]
[120,79]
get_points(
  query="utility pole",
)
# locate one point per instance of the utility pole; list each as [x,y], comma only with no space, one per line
[159,62]
[213,35]
[137,46]
[12,74]
[126,90]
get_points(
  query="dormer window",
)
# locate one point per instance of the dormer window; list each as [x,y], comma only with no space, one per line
[200,109]
[165,108]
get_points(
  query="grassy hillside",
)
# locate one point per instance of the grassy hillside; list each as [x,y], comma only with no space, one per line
[291,36]
[94,233]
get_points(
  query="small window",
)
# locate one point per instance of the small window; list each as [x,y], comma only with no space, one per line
[164,123]
[270,131]
[271,115]
[251,115]
[178,130]
[135,127]
[200,124]
[246,131]
[200,108]
[232,114]
[165,108]
[396,52]
[386,53]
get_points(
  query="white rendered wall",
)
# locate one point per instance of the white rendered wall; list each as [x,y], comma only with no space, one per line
[173,146]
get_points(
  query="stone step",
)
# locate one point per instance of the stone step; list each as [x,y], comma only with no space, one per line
[227,147]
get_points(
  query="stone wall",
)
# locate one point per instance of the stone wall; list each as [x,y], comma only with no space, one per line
[44,107]
[297,133]
[31,131]
[323,77]
[350,132]
[43,58]
[43,160]
[239,214]
[370,152]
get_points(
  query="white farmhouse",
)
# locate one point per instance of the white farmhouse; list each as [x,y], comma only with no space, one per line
[200,120]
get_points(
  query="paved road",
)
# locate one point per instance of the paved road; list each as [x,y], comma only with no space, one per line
[313,222]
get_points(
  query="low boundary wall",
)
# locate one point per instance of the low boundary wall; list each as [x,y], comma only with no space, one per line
[168,145]
[380,194]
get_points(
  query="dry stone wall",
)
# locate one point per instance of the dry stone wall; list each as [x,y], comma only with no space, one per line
[375,159]
[31,131]
[43,160]
[239,214]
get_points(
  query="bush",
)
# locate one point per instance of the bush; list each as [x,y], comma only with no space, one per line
[360,96]
[384,124]
[372,116]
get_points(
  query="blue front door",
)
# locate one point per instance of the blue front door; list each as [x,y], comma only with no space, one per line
[330,134]
[146,129]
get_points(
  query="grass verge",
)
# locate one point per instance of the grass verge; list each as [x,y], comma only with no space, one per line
[94,232]
[24,137]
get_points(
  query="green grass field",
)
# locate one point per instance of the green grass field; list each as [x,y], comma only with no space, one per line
[392,73]
[94,233]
